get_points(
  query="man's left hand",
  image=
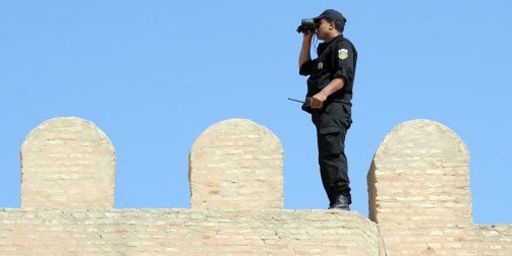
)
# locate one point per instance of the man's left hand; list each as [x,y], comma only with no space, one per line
[317,100]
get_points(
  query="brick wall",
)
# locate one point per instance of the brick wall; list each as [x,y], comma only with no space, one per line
[496,239]
[69,163]
[185,232]
[236,164]
[418,186]
[419,195]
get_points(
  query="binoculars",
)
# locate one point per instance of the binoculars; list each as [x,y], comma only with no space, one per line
[307,25]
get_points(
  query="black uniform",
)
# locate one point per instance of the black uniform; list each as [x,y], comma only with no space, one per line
[336,59]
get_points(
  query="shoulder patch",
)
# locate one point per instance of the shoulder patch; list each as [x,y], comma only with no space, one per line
[342,54]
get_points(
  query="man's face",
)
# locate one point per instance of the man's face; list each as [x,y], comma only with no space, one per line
[324,29]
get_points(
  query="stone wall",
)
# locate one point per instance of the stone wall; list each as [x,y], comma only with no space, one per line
[68,163]
[236,164]
[418,187]
[419,195]
[185,232]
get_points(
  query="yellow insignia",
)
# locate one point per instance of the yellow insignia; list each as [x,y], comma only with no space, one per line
[342,54]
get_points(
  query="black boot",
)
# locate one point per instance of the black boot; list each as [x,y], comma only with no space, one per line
[341,203]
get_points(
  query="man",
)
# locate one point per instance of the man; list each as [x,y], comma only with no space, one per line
[329,95]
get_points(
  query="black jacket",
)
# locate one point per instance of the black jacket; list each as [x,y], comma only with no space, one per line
[336,59]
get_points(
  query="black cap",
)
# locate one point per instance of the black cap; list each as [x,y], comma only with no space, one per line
[332,14]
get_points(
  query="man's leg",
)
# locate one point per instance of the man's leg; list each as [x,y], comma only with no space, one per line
[333,165]
[334,176]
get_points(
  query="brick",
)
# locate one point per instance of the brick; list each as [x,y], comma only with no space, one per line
[67,163]
[418,187]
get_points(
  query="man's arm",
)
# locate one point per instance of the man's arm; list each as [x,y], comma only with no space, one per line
[306,48]
[317,100]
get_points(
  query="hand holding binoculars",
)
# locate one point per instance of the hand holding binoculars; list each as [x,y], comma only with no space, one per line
[307,25]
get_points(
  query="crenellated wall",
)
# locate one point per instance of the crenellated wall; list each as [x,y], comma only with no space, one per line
[67,163]
[236,164]
[418,187]
[419,195]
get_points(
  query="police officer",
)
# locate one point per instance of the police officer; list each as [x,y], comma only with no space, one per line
[328,100]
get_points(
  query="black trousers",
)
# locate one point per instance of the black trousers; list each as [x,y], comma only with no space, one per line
[332,123]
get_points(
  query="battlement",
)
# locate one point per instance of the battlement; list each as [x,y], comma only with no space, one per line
[418,185]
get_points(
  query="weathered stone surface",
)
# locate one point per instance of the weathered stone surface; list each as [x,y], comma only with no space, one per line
[236,164]
[496,240]
[421,166]
[418,191]
[419,194]
[67,163]
[186,232]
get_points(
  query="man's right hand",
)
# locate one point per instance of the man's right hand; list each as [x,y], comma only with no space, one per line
[308,36]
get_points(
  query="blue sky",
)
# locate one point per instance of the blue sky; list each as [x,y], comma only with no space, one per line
[154,74]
